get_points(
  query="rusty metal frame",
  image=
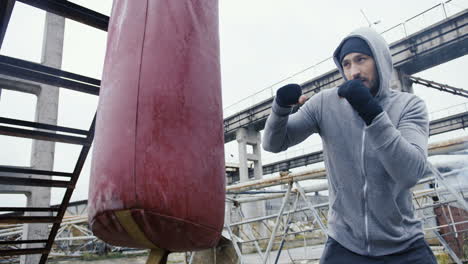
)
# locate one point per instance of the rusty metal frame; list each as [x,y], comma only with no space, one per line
[71,11]
[35,72]
[439,86]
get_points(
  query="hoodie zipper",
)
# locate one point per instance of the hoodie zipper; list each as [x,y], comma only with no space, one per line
[366,224]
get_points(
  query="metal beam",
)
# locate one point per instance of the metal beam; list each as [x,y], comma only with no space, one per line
[41,135]
[47,75]
[28,209]
[268,182]
[439,86]
[32,66]
[294,177]
[447,247]
[18,122]
[19,85]
[72,11]
[15,242]
[449,123]
[277,223]
[27,251]
[317,187]
[311,207]
[34,182]
[6,8]
[13,220]
[448,146]
[48,183]
[68,193]
[33,171]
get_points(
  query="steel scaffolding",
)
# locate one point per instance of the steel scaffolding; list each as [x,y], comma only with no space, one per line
[435,199]
[432,192]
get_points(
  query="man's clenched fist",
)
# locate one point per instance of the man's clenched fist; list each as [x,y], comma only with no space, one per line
[290,95]
[361,99]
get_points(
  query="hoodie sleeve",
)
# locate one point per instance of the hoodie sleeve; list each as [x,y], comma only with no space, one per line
[283,130]
[403,149]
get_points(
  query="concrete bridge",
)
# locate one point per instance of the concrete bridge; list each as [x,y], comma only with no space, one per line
[432,46]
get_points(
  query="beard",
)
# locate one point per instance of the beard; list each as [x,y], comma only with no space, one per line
[374,87]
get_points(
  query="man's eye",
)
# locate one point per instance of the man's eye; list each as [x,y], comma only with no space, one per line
[345,65]
[361,59]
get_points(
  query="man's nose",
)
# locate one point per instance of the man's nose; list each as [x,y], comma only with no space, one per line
[355,72]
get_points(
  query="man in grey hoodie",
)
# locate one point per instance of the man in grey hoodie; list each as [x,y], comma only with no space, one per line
[375,148]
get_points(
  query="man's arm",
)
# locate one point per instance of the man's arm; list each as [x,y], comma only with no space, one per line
[403,149]
[283,130]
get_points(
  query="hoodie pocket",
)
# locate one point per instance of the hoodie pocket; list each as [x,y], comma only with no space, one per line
[345,216]
[387,222]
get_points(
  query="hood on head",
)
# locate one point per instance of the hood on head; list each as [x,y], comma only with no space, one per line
[381,54]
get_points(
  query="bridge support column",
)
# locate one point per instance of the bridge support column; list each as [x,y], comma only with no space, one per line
[400,82]
[249,137]
[42,153]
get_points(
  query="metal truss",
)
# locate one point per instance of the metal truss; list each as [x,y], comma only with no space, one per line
[9,175]
[439,86]
[434,198]
[73,239]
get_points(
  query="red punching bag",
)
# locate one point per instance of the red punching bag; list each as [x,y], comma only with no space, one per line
[157,177]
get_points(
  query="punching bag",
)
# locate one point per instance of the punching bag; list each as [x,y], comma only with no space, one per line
[157,176]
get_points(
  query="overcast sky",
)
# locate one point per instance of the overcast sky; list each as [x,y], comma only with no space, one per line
[262,42]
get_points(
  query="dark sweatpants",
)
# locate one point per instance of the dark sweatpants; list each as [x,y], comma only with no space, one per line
[418,253]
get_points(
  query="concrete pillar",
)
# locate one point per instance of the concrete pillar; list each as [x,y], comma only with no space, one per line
[249,137]
[400,82]
[42,153]
[252,138]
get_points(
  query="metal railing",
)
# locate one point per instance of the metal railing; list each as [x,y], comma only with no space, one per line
[426,199]
[449,111]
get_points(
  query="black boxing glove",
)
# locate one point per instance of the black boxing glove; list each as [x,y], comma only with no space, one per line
[288,95]
[361,99]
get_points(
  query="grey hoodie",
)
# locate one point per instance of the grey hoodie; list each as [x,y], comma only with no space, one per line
[370,168]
